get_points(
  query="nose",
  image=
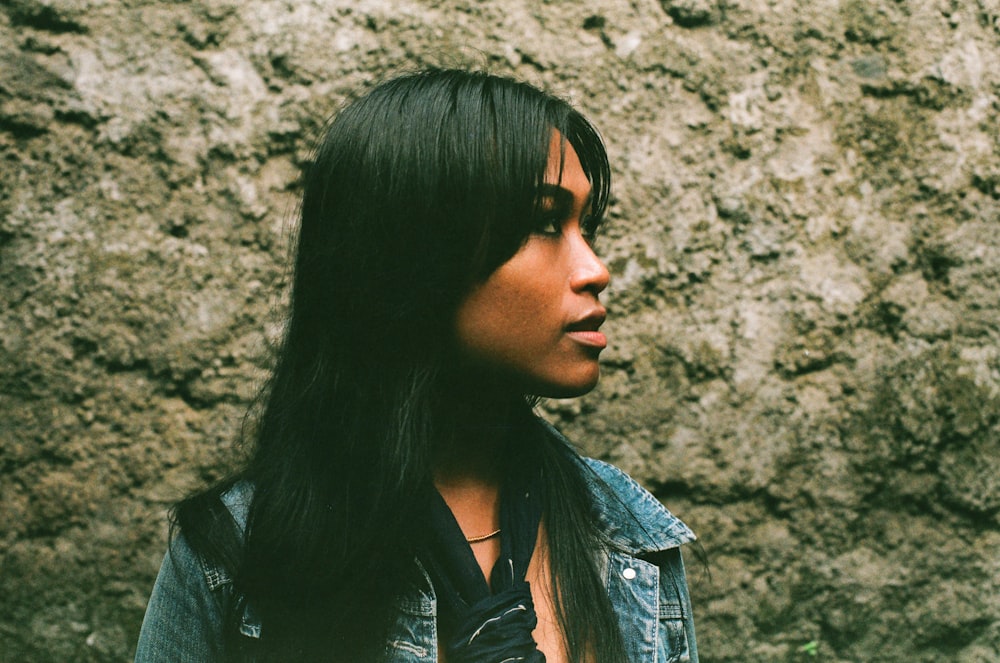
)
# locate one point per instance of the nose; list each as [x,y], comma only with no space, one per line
[588,273]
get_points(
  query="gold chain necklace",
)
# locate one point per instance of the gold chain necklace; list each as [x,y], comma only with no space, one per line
[484,537]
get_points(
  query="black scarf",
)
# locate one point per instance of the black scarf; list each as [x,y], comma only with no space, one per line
[480,626]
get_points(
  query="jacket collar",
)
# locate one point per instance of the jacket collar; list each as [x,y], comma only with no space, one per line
[629,516]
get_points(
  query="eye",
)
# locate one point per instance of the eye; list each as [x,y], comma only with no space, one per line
[549,224]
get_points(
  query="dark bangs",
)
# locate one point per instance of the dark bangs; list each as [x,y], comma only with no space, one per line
[515,122]
[481,184]
[520,146]
[589,147]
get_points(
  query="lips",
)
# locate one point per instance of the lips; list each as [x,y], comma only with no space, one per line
[590,322]
[585,330]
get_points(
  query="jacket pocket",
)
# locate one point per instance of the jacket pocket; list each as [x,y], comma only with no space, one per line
[413,634]
[673,613]
[672,632]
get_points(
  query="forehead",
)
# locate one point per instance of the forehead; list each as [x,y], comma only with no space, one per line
[564,168]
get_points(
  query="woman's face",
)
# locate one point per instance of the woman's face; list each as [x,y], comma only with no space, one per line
[534,322]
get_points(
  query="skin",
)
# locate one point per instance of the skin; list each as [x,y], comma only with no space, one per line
[530,328]
[533,322]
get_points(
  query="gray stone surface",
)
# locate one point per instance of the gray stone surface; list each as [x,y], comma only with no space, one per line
[805,301]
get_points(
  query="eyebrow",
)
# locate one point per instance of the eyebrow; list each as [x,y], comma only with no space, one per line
[562,196]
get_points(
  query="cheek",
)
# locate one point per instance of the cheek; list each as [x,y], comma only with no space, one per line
[503,317]
[489,315]
[517,309]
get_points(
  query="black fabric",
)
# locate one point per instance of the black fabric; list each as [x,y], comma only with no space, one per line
[480,626]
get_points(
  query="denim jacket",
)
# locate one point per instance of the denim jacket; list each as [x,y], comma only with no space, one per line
[644,576]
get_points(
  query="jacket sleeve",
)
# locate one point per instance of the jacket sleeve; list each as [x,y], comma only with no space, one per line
[183,621]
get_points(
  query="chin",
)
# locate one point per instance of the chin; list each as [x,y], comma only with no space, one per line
[566,389]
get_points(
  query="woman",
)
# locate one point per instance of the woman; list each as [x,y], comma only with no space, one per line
[402,502]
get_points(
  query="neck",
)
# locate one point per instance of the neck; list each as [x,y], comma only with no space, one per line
[472,447]
[469,461]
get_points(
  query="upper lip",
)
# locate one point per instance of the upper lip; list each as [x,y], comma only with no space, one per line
[590,322]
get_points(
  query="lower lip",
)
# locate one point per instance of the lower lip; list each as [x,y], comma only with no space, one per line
[594,339]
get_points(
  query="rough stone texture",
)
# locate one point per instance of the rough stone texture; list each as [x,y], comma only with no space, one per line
[806,289]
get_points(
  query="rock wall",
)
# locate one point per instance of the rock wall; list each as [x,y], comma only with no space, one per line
[805,253]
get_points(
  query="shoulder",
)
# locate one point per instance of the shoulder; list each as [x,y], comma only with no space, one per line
[193,597]
[217,575]
[628,514]
[210,531]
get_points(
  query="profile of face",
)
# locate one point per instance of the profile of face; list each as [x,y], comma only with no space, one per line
[534,322]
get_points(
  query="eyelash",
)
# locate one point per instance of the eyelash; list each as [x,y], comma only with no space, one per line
[590,225]
[550,224]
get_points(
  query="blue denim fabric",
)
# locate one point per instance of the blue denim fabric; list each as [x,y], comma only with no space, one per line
[644,576]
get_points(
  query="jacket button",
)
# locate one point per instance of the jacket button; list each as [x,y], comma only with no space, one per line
[628,574]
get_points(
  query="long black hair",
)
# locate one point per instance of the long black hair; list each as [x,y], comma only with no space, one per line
[419,190]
